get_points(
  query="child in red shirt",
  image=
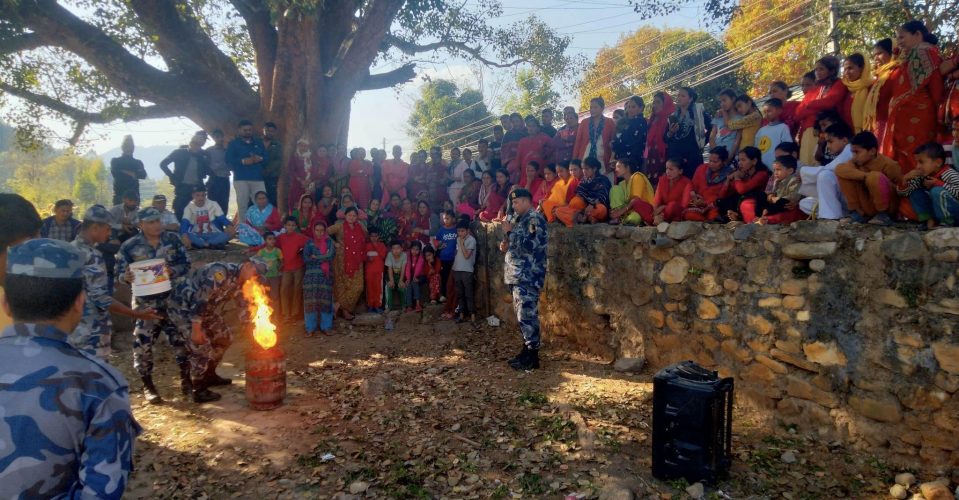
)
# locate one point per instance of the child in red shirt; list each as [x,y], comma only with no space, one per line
[373,271]
[433,273]
[291,244]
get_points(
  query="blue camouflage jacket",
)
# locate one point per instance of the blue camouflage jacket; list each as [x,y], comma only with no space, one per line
[526,255]
[66,429]
[96,309]
[171,248]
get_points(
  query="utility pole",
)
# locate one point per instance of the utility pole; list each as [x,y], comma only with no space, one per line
[833,45]
[384,144]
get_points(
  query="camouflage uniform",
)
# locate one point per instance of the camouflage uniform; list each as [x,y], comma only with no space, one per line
[202,295]
[145,332]
[95,329]
[66,428]
[525,272]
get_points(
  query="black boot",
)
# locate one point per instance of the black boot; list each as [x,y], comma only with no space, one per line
[211,379]
[186,383]
[204,395]
[150,391]
[519,356]
[528,362]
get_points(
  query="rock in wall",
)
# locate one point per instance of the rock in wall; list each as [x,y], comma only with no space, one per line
[848,331]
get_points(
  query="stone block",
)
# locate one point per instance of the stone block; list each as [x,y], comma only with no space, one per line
[737,352]
[951,255]
[707,309]
[790,346]
[641,295]
[936,490]
[905,247]
[629,364]
[759,324]
[744,231]
[807,251]
[676,292]
[707,285]
[709,343]
[686,248]
[921,398]
[911,339]
[802,389]
[826,354]
[757,374]
[759,271]
[759,344]
[944,306]
[730,285]
[947,355]
[660,254]
[882,409]
[684,230]
[790,359]
[940,239]
[794,302]
[716,241]
[772,364]
[656,318]
[770,302]
[792,287]
[889,297]
[674,271]
[675,324]
[817,265]
[725,330]
[948,383]
[814,231]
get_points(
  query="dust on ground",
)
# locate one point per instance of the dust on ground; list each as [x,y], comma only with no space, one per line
[431,410]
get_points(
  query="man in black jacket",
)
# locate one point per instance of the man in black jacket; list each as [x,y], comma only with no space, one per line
[190,169]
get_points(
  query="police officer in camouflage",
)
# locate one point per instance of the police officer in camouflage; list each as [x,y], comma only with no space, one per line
[154,243]
[204,295]
[525,272]
[95,329]
[66,429]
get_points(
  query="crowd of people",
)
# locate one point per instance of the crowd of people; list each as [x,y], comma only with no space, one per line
[869,141]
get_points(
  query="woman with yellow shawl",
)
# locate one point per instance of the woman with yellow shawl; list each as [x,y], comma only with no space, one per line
[557,195]
[857,78]
[876,109]
[634,186]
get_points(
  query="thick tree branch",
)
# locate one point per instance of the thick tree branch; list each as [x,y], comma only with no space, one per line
[263,35]
[18,43]
[127,72]
[389,79]
[357,51]
[105,116]
[184,45]
[410,48]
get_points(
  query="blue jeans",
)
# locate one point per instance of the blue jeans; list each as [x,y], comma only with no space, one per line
[937,203]
[208,240]
[413,293]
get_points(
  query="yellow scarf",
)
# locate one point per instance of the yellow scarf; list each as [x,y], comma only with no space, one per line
[860,94]
[872,98]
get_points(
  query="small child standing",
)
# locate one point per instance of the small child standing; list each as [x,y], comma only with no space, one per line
[373,271]
[463,268]
[433,273]
[933,187]
[447,250]
[774,133]
[415,277]
[291,244]
[395,265]
[273,258]
[783,189]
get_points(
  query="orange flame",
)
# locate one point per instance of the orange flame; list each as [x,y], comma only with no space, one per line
[264,331]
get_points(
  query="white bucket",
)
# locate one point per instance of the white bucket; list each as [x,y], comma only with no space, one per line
[150,277]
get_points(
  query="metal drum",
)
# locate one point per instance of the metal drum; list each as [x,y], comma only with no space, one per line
[265,377]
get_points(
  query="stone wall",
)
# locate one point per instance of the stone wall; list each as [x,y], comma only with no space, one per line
[848,331]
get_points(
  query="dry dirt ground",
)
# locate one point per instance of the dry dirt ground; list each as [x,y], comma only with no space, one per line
[430,410]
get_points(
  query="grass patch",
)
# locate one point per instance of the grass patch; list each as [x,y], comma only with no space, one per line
[532,398]
[556,428]
[532,484]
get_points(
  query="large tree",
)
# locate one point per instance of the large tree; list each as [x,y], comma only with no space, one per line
[298,63]
[444,115]
[532,94]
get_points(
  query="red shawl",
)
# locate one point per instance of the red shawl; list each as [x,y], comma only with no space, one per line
[354,248]
[420,222]
[321,244]
[658,123]
[531,148]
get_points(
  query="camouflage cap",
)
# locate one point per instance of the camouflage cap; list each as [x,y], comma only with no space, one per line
[45,258]
[520,193]
[97,213]
[148,214]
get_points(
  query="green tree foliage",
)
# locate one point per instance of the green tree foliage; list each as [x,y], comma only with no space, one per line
[533,93]
[446,116]
[91,186]
[43,176]
[650,60]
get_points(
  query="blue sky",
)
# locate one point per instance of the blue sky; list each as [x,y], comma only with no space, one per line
[382,114]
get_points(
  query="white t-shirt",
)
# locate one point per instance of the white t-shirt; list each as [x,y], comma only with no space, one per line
[202,217]
[461,263]
[769,137]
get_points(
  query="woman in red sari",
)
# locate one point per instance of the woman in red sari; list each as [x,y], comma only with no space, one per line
[595,135]
[303,173]
[950,70]
[360,172]
[917,91]
[422,224]
[348,262]
[497,198]
[532,148]
[655,139]
[827,94]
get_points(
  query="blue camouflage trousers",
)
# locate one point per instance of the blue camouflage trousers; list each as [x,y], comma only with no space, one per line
[219,337]
[526,305]
[146,332]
